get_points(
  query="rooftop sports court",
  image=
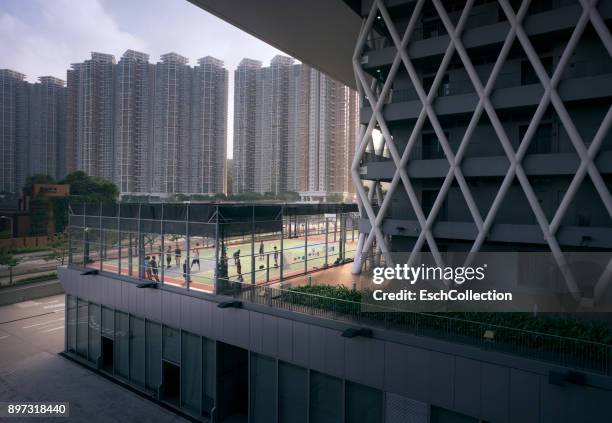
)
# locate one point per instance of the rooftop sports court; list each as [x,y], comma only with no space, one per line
[194,246]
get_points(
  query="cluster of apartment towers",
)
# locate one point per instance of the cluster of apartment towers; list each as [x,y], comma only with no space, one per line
[162,128]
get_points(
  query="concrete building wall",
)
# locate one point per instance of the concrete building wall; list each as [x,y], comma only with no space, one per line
[433,376]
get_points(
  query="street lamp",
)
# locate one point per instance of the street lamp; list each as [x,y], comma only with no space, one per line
[10,220]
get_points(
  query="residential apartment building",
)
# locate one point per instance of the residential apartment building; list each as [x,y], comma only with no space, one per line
[134,93]
[91,100]
[304,134]
[245,120]
[272,126]
[47,128]
[332,133]
[13,129]
[298,120]
[171,124]
[208,147]
[33,122]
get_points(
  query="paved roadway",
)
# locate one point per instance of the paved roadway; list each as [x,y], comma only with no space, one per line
[31,336]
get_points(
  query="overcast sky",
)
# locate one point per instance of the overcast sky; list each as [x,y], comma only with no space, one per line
[42,37]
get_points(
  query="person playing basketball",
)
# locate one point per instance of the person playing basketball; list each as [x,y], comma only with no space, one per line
[177,256]
[261,251]
[168,257]
[196,256]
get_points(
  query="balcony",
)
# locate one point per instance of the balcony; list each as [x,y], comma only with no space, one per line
[460,98]
[382,53]
[560,164]
[510,233]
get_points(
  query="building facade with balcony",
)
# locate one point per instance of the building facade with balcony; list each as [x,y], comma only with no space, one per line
[493,162]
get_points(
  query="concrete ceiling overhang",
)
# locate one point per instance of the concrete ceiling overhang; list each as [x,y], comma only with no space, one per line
[320,33]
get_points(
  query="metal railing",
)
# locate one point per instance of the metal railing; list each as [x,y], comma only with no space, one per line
[570,352]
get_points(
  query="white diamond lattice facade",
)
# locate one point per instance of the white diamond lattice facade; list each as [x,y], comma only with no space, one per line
[495,119]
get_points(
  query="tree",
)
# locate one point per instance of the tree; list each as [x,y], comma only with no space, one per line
[288,196]
[9,260]
[59,247]
[39,215]
[335,197]
[181,197]
[91,188]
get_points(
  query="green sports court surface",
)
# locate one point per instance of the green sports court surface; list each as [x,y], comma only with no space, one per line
[299,257]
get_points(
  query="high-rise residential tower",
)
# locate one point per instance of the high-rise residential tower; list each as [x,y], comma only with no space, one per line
[298,121]
[70,144]
[245,118]
[13,129]
[134,90]
[171,124]
[208,138]
[271,141]
[47,127]
[91,100]
[332,130]
[294,129]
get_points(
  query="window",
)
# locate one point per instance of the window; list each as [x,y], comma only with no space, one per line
[432,149]
[191,372]
[433,27]
[441,415]
[428,197]
[363,404]
[263,389]
[325,398]
[528,73]
[443,88]
[292,393]
[542,140]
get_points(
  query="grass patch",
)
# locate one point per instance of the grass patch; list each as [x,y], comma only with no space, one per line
[25,250]
[40,278]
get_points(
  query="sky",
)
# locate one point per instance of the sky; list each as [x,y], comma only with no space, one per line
[43,37]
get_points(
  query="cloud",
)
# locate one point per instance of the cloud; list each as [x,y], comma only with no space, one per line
[60,32]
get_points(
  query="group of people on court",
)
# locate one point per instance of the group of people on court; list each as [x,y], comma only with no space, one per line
[262,254]
[238,264]
[151,266]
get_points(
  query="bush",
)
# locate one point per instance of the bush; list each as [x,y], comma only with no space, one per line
[557,325]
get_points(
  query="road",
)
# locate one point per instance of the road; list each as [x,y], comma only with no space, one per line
[29,265]
[31,336]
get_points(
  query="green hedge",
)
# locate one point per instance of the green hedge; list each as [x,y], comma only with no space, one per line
[548,324]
